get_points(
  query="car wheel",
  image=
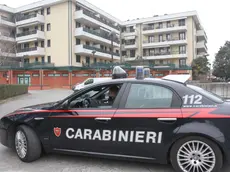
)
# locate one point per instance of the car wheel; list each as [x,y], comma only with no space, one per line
[27,144]
[196,154]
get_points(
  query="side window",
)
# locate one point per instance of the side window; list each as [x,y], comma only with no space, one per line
[97,97]
[149,96]
[89,81]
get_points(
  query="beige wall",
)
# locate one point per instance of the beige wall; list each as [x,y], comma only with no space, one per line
[58,35]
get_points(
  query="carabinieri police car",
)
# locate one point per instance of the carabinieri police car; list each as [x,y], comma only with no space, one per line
[146,119]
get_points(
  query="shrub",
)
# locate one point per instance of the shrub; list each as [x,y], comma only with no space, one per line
[7,91]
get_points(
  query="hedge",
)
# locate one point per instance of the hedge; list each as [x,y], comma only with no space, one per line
[7,91]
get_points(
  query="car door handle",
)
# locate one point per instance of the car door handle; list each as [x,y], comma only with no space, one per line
[167,120]
[102,119]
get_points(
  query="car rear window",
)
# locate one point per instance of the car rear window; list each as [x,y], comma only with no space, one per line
[207,94]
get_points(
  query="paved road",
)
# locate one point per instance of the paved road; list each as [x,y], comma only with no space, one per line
[9,162]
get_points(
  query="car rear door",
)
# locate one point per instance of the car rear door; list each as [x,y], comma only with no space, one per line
[85,130]
[147,119]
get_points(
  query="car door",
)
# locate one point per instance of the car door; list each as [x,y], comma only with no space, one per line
[85,130]
[148,117]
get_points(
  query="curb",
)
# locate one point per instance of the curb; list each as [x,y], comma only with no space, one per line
[14,98]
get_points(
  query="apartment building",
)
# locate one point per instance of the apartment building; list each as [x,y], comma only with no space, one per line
[170,40]
[76,33]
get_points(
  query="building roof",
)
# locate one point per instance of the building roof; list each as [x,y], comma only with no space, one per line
[156,18]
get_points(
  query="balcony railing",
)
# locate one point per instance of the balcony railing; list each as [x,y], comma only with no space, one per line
[99,50]
[26,49]
[163,27]
[164,40]
[100,34]
[38,64]
[163,53]
[21,17]
[27,33]
[7,34]
[130,43]
[7,19]
[99,19]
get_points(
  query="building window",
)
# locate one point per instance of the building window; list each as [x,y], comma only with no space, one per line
[95,60]
[78,25]
[132,53]
[36,28]
[87,60]
[181,22]
[168,24]
[42,27]
[42,43]
[160,38]
[48,27]
[36,44]
[78,8]
[182,35]
[78,59]
[48,11]
[168,37]
[87,43]
[78,41]
[42,11]
[36,59]
[160,25]
[182,62]
[49,59]
[48,43]
[182,49]
[151,39]
[123,53]
[43,59]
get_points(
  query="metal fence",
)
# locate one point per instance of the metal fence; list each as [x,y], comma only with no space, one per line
[221,89]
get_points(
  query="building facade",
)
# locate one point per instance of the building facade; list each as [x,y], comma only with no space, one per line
[71,35]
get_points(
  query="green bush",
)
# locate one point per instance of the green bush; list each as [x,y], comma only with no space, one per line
[7,91]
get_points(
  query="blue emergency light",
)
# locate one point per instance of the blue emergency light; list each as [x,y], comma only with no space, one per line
[118,72]
[146,72]
[139,72]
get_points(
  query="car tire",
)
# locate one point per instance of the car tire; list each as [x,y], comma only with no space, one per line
[180,157]
[27,144]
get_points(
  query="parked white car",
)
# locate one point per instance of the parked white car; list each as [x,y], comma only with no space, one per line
[87,82]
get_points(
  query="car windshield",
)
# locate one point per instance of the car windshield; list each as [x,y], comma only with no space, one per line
[206,93]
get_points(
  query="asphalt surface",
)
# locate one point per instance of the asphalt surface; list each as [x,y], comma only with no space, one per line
[9,161]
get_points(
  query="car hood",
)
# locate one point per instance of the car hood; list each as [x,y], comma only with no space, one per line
[37,107]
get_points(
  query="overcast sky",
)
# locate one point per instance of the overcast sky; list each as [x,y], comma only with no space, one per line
[213,14]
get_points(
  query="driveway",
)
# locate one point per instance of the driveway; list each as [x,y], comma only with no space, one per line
[9,161]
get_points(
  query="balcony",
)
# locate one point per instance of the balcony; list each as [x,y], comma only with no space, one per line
[6,37]
[99,36]
[32,51]
[129,33]
[163,43]
[170,66]
[86,17]
[201,45]
[87,50]
[201,34]
[37,65]
[33,35]
[30,19]
[7,22]
[165,55]
[149,30]
[7,54]
[20,65]
[129,45]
